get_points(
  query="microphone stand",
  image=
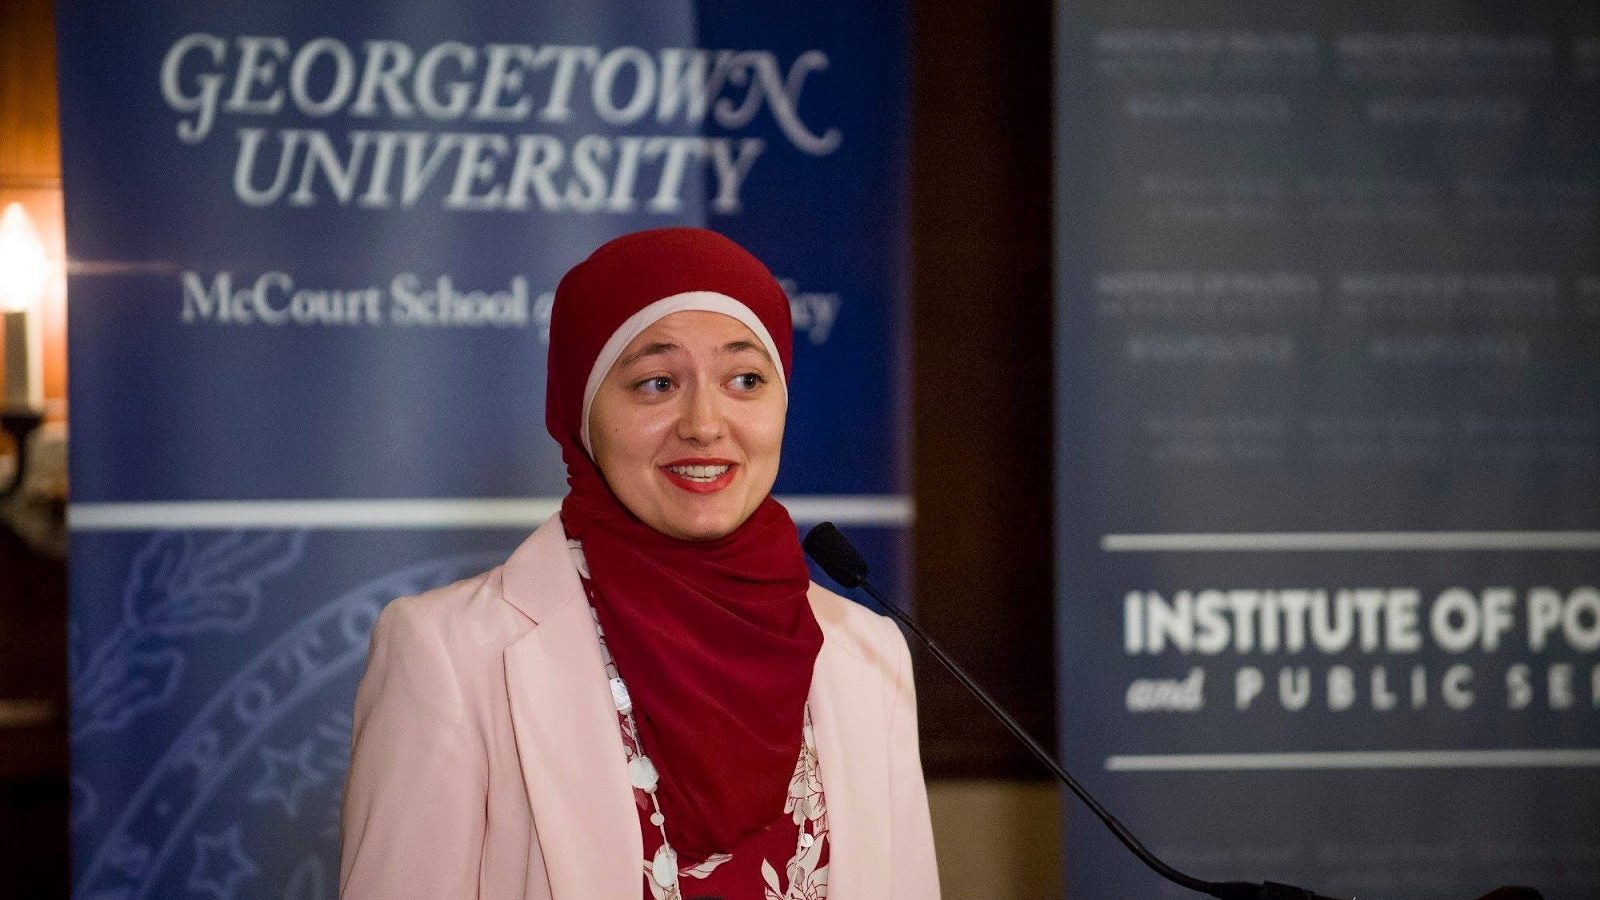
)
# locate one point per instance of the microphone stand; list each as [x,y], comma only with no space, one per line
[844,564]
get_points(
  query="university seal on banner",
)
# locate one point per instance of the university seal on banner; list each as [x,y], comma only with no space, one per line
[244,803]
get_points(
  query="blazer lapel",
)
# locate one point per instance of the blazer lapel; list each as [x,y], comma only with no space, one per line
[847,716]
[565,723]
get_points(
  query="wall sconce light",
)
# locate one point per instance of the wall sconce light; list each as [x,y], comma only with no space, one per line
[24,274]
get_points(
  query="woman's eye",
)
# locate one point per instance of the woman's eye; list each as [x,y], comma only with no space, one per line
[747,381]
[657,385]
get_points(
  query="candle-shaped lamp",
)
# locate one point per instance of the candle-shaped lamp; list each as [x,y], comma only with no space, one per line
[24,272]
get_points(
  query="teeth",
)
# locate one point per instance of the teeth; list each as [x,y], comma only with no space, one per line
[700,473]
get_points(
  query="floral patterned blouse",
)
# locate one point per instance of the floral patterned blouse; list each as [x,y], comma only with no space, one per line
[798,836]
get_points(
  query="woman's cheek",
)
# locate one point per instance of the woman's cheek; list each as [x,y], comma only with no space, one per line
[771,442]
[650,425]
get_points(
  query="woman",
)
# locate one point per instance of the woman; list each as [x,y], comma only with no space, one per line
[648,698]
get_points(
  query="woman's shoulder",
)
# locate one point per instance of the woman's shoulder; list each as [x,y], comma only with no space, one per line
[466,613]
[444,602]
[866,634]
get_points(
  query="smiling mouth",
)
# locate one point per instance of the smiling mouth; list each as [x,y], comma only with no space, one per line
[700,476]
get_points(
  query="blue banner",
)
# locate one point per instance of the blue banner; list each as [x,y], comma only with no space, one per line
[313,254]
[1329,444]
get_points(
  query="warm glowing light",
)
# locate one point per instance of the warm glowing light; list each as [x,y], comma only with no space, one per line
[24,268]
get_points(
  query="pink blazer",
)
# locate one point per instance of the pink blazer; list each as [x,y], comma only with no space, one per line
[487,762]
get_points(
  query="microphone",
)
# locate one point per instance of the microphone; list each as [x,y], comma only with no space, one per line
[845,565]
[831,550]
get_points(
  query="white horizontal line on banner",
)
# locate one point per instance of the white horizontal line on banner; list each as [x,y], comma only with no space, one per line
[508,512]
[1364,759]
[85,267]
[1354,540]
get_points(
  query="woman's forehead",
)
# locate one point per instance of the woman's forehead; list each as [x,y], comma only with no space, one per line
[692,331]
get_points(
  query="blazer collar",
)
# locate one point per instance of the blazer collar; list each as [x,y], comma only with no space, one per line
[539,576]
[848,721]
[564,721]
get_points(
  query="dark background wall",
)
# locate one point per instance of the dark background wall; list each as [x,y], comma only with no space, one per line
[33,587]
[981,308]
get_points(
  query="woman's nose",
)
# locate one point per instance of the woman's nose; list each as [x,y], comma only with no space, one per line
[701,419]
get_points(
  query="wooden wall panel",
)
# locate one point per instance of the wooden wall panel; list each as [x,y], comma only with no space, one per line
[981,340]
[30,163]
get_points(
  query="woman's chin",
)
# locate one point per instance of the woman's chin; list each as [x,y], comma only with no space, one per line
[706,523]
[702,530]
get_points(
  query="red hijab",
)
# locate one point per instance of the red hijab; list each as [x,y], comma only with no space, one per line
[715,639]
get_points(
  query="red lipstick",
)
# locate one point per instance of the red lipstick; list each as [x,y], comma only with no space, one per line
[700,486]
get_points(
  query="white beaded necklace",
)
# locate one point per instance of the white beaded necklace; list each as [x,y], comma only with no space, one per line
[642,773]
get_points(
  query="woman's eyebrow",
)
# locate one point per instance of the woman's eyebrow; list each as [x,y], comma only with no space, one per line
[659,348]
[741,346]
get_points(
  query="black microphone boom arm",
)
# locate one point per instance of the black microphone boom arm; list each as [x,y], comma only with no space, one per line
[834,553]
[844,564]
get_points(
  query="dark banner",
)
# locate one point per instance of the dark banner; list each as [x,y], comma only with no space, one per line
[313,255]
[1329,443]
